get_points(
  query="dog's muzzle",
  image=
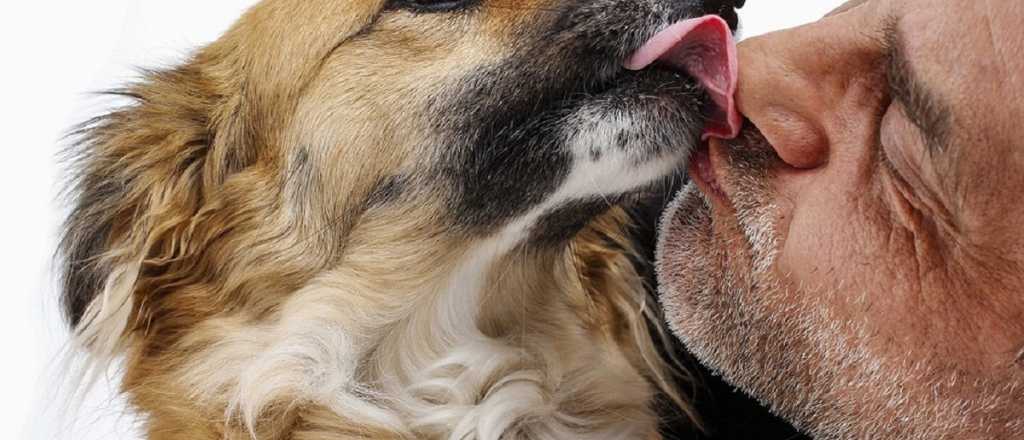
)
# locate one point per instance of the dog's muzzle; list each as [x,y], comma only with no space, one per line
[703,47]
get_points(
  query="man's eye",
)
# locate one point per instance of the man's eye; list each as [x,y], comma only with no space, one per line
[433,5]
[901,140]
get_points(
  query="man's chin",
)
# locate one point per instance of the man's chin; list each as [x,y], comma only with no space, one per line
[703,261]
[686,258]
[721,308]
[722,311]
[695,277]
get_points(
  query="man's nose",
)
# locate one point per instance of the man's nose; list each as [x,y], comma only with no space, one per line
[792,85]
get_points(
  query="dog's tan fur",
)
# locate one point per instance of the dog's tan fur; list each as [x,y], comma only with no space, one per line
[223,256]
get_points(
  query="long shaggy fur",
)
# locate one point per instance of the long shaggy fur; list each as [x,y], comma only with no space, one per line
[262,272]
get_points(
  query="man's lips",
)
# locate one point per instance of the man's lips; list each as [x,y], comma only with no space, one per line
[704,48]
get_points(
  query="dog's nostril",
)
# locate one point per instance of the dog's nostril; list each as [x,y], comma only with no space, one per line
[725,9]
[723,4]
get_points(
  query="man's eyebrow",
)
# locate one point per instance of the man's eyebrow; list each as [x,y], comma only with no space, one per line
[925,110]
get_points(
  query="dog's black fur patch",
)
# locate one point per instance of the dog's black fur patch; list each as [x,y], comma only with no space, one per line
[562,224]
[84,242]
[388,190]
[509,123]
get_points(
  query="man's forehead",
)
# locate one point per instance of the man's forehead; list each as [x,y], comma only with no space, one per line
[968,53]
[987,33]
[994,42]
[1007,35]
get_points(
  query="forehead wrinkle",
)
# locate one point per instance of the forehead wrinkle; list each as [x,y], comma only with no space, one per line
[1008,66]
[996,48]
[1002,52]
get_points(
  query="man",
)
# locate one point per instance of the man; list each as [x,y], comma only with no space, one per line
[856,259]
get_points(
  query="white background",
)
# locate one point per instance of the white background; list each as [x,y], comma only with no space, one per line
[53,54]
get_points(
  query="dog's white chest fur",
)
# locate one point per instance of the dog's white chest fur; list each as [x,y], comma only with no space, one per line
[431,373]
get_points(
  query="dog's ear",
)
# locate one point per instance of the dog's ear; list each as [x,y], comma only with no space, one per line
[138,175]
[156,182]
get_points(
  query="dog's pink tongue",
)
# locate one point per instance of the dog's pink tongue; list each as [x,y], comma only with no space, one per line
[705,48]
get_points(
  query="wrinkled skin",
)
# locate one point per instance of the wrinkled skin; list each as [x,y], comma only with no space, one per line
[856,261]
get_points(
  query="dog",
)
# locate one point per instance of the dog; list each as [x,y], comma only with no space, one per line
[386,220]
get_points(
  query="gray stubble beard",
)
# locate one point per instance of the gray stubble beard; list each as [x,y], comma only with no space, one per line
[808,365]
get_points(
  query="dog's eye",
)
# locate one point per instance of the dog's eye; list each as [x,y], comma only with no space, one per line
[432,5]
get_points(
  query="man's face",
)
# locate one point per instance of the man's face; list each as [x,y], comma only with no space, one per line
[856,259]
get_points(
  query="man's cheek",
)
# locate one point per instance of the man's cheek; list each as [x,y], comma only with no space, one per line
[841,250]
[819,240]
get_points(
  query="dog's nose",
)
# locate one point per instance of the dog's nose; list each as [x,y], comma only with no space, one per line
[725,9]
[735,4]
